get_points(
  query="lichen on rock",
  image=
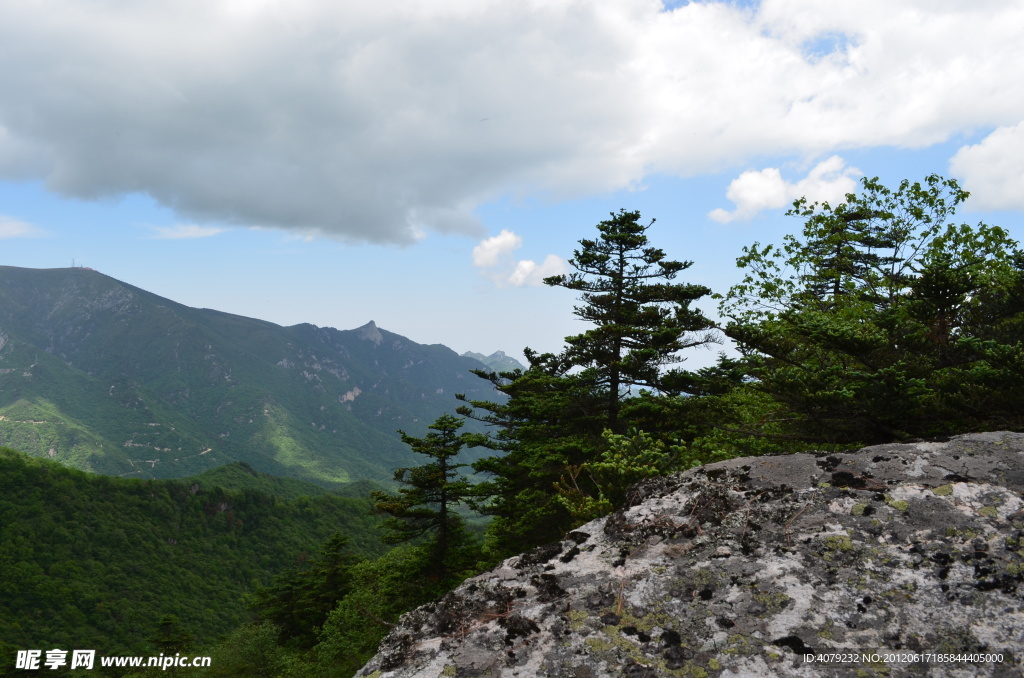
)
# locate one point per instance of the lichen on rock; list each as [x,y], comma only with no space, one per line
[743,567]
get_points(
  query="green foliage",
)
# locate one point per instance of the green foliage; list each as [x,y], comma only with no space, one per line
[885,321]
[299,599]
[551,420]
[741,422]
[625,460]
[642,320]
[552,423]
[170,636]
[97,562]
[382,590]
[427,496]
[240,475]
[251,650]
[376,593]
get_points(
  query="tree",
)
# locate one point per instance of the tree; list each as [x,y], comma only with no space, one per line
[642,320]
[382,591]
[624,461]
[552,425]
[884,321]
[967,305]
[424,505]
[298,600]
[250,650]
[550,421]
[171,636]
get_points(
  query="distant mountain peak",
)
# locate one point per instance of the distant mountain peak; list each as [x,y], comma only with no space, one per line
[498,361]
[370,332]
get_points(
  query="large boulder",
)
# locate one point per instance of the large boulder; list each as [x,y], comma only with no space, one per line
[902,560]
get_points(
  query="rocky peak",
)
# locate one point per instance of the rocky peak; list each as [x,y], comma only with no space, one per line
[370,332]
[498,361]
[744,567]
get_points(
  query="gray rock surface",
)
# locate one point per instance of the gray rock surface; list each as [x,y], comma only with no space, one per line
[742,568]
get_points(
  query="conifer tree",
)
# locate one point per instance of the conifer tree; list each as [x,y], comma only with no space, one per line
[550,420]
[642,319]
[558,410]
[298,600]
[424,505]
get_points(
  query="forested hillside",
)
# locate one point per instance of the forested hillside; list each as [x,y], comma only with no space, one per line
[90,561]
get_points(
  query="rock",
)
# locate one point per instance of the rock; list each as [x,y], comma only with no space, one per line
[741,568]
[369,332]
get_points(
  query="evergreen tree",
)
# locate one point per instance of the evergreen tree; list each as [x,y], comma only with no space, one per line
[426,502]
[884,321]
[298,600]
[550,421]
[642,319]
[552,425]
[171,638]
[382,591]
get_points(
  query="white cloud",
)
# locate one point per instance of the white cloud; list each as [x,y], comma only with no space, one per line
[753,192]
[494,257]
[379,121]
[15,228]
[490,251]
[993,170]
[185,232]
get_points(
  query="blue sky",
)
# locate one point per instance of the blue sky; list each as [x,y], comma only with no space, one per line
[424,164]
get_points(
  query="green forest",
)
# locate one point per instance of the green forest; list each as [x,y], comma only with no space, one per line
[90,561]
[883,319]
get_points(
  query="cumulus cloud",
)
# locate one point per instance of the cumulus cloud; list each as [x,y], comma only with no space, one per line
[15,228]
[492,250]
[380,121]
[493,256]
[755,191]
[993,170]
[185,232]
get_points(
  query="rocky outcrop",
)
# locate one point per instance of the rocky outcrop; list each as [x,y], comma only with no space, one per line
[904,560]
[369,332]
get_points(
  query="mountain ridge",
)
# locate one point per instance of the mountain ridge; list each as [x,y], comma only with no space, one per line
[104,376]
[498,361]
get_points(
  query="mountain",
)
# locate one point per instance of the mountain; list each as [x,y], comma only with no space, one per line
[103,376]
[91,561]
[497,361]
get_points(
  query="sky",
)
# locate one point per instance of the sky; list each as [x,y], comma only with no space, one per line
[425,164]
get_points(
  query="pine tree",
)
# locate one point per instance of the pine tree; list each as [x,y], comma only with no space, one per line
[551,420]
[299,599]
[424,505]
[642,319]
[558,410]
